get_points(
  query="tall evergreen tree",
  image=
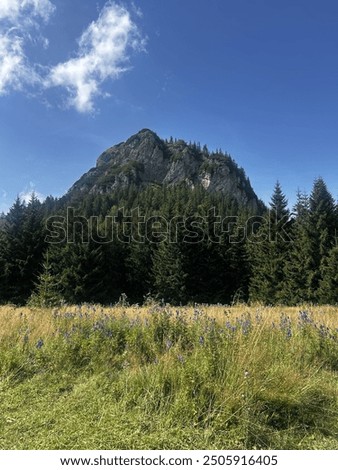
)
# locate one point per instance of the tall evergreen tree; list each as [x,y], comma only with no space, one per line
[328,284]
[314,231]
[168,273]
[269,251]
[21,251]
[299,265]
[138,272]
[47,292]
[322,231]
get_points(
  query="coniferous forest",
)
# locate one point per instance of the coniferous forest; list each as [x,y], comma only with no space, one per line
[176,244]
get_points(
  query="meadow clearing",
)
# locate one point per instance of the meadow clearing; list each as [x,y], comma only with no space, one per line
[162,377]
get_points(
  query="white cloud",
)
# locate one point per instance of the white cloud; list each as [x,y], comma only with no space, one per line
[15,71]
[27,193]
[17,18]
[103,54]
[103,51]
[4,204]
[24,11]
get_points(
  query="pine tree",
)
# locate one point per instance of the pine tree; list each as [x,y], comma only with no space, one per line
[328,285]
[3,262]
[279,212]
[22,250]
[322,231]
[235,265]
[268,252]
[168,274]
[298,268]
[33,240]
[47,292]
[313,232]
[138,272]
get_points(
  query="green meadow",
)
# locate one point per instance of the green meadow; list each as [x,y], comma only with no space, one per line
[160,377]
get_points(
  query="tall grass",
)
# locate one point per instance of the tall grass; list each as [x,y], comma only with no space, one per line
[163,377]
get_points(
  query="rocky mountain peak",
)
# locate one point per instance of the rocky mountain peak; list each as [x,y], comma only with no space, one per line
[138,147]
[144,135]
[146,159]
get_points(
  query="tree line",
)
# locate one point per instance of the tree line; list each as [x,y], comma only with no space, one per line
[174,243]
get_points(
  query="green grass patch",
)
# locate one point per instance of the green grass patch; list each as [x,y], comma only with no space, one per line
[165,378]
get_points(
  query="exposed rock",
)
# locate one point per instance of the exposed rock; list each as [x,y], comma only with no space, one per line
[145,158]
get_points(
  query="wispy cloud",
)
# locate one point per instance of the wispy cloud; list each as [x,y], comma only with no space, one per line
[102,55]
[17,19]
[15,70]
[24,12]
[4,203]
[28,192]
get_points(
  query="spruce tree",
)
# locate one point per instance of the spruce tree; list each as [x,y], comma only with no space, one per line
[313,232]
[168,273]
[47,292]
[22,250]
[322,231]
[268,252]
[138,272]
[298,268]
[328,285]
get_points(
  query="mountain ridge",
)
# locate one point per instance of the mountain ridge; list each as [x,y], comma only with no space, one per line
[145,159]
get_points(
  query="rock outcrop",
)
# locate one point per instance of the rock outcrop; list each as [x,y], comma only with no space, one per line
[146,159]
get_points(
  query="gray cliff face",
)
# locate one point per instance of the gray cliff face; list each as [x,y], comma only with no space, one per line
[146,159]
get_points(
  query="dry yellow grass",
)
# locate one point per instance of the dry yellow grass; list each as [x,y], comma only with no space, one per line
[41,322]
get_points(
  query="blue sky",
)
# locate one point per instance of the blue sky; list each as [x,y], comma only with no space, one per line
[256,78]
